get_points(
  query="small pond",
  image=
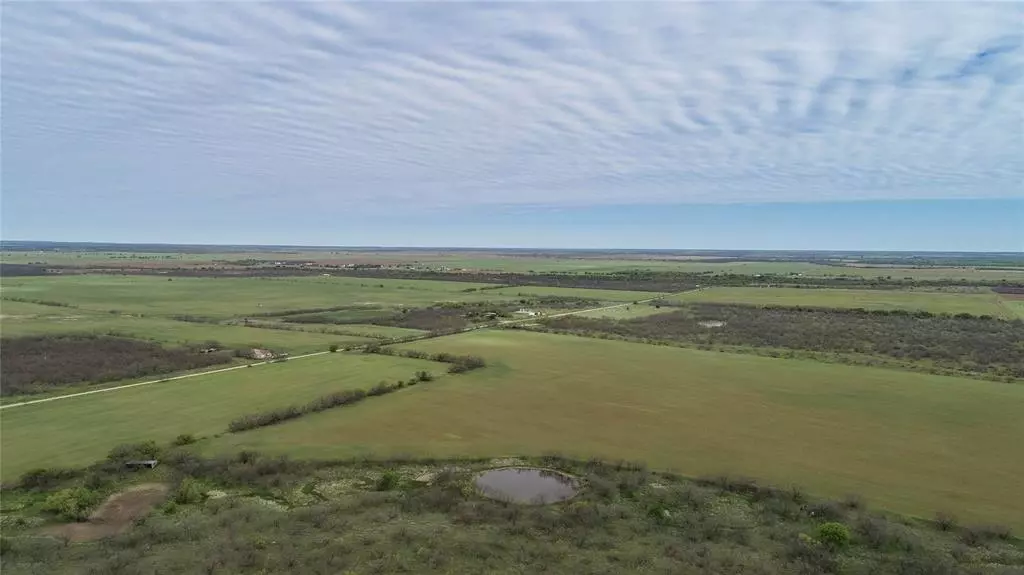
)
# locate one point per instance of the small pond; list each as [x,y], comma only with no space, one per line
[526,485]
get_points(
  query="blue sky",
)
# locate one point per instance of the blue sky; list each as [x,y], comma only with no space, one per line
[775,125]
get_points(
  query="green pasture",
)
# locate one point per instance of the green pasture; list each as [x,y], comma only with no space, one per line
[24,319]
[227,297]
[908,442]
[936,302]
[1013,306]
[80,430]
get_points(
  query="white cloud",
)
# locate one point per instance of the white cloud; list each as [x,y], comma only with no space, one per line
[426,104]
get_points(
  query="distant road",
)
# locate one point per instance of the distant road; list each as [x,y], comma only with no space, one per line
[293,358]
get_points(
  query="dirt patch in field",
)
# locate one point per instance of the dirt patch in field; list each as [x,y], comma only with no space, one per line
[116,514]
[712,323]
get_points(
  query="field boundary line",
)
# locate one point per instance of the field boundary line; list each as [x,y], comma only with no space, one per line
[151,382]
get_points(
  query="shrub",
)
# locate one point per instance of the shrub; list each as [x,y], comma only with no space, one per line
[879,534]
[72,504]
[827,511]
[188,492]
[816,558]
[834,534]
[424,376]
[853,502]
[333,348]
[45,478]
[945,521]
[184,439]
[381,388]
[979,534]
[130,451]
[389,481]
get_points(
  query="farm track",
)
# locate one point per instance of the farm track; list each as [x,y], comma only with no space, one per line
[318,353]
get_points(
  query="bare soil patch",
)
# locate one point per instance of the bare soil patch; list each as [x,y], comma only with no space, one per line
[115,515]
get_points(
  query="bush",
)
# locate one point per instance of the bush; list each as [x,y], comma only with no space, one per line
[389,481]
[333,348]
[834,534]
[131,451]
[184,439]
[72,504]
[879,534]
[827,511]
[188,492]
[424,376]
[979,534]
[945,521]
[45,478]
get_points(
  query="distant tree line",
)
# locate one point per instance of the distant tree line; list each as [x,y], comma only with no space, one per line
[33,364]
[15,270]
[632,280]
[962,342]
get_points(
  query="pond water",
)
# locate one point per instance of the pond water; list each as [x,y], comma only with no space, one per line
[526,485]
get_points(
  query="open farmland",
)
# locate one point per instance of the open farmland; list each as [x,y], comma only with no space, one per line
[830,428]
[25,319]
[227,297]
[80,430]
[936,302]
[498,260]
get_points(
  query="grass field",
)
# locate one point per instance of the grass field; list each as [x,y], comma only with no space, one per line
[80,430]
[908,442]
[22,319]
[936,302]
[1013,305]
[226,297]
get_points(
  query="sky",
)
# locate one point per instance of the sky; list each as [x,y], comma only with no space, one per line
[717,125]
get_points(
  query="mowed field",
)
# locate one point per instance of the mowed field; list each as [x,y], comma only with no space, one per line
[229,297]
[25,319]
[81,430]
[907,442]
[936,302]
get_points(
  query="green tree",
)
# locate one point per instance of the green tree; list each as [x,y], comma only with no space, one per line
[72,504]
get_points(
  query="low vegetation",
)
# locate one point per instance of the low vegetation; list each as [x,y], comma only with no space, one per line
[34,364]
[962,342]
[458,363]
[442,317]
[425,516]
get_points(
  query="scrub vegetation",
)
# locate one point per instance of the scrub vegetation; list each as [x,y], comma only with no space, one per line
[943,343]
[250,514]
